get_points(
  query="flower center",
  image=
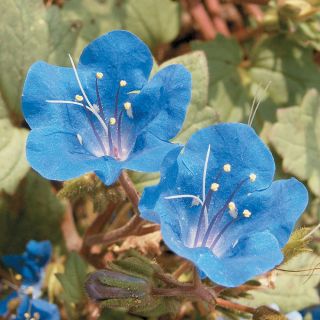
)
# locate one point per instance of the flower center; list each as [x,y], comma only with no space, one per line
[108,133]
[209,233]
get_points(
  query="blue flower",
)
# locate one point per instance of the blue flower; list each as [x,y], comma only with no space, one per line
[30,272]
[31,263]
[218,207]
[37,309]
[104,115]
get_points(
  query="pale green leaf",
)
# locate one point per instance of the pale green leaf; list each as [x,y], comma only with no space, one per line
[288,66]
[293,291]
[227,93]
[13,162]
[199,115]
[154,21]
[29,32]
[296,137]
[95,17]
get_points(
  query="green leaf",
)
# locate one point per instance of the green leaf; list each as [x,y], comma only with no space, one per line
[227,93]
[13,163]
[199,115]
[296,137]
[154,21]
[293,290]
[29,32]
[33,212]
[72,280]
[296,244]
[289,67]
[95,17]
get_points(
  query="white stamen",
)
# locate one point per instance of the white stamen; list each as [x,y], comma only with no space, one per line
[96,108]
[232,206]
[79,98]
[311,232]
[195,198]
[65,101]
[79,138]
[205,169]
[112,121]
[123,83]
[258,104]
[227,167]
[86,98]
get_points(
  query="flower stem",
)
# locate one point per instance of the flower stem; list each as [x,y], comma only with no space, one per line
[234,306]
[129,188]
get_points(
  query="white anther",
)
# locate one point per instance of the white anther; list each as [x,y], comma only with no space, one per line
[214,187]
[36,315]
[29,291]
[99,75]
[79,98]
[79,138]
[123,83]
[232,206]
[127,105]
[112,121]
[26,315]
[252,177]
[246,213]
[227,167]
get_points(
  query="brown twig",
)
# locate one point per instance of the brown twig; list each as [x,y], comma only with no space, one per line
[202,19]
[71,236]
[129,188]
[118,234]
[219,23]
[234,306]
[261,2]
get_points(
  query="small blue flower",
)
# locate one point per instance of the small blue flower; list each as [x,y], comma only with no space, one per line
[104,115]
[37,309]
[31,263]
[30,271]
[218,207]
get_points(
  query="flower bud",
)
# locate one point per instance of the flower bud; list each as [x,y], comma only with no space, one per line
[128,286]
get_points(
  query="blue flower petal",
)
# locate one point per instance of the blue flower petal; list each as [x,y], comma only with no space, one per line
[39,251]
[276,209]
[118,55]
[58,155]
[148,153]
[161,106]
[46,310]
[47,82]
[149,205]
[255,254]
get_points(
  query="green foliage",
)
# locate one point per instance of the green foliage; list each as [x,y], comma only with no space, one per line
[297,244]
[199,113]
[296,138]
[227,95]
[33,212]
[29,33]
[288,66]
[13,163]
[73,278]
[293,290]
[155,22]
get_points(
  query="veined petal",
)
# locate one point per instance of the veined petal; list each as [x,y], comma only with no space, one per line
[58,155]
[161,106]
